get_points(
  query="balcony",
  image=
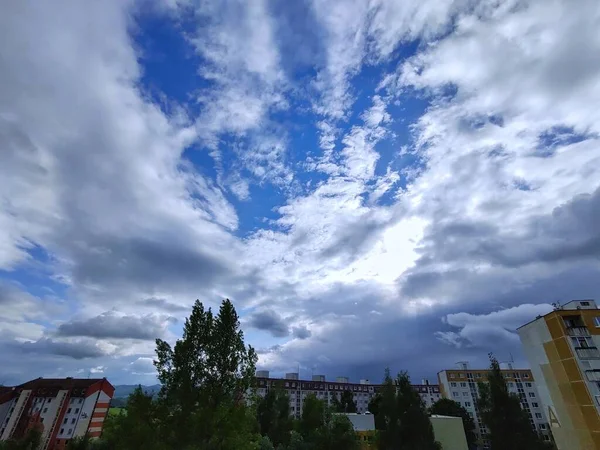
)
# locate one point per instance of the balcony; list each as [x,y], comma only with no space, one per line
[578,331]
[587,352]
[592,375]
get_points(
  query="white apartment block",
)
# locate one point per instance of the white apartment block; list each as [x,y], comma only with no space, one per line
[362,392]
[60,409]
[460,385]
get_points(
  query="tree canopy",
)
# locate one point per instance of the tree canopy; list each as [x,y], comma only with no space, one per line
[346,403]
[401,417]
[501,412]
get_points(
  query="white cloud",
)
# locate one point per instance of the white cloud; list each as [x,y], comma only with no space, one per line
[483,329]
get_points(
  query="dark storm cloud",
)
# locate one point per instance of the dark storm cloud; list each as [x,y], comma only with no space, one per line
[301,332]
[111,325]
[269,320]
[74,349]
[144,261]
[569,233]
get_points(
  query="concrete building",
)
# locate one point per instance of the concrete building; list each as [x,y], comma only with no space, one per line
[562,348]
[460,385]
[362,392]
[449,432]
[60,408]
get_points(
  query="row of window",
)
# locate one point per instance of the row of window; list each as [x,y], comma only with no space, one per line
[478,375]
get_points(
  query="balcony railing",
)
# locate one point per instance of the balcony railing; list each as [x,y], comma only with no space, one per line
[592,375]
[578,331]
[587,352]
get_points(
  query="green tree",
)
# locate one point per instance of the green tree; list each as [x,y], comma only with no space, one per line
[501,412]
[135,428]
[31,440]
[337,433]
[273,415]
[204,380]
[345,404]
[313,417]
[447,407]
[401,416]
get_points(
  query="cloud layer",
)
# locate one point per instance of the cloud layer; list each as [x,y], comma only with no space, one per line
[369,182]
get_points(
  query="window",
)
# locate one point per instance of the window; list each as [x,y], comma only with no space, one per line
[65,421]
[478,375]
[468,404]
[463,384]
[465,394]
[69,411]
[452,375]
[455,394]
[45,410]
[525,375]
[49,400]
[453,384]
[42,420]
[532,394]
[287,384]
[535,405]
[597,322]
[73,421]
[542,426]
[70,430]
[538,416]
[584,303]
[62,430]
[528,385]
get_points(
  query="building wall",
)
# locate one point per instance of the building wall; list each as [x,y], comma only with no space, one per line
[449,432]
[567,393]
[5,409]
[461,386]
[362,393]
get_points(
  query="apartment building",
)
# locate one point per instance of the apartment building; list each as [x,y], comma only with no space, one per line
[60,408]
[362,392]
[461,386]
[562,348]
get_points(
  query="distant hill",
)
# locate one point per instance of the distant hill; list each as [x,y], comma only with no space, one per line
[123,390]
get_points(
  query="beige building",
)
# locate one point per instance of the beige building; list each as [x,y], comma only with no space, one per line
[460,385]
[449,432]
[362,392]
[562,348]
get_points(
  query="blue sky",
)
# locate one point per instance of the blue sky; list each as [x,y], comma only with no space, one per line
[372,183]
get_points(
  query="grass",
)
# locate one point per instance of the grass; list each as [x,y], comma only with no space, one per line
[116,411]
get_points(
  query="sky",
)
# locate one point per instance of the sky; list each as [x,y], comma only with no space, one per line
[373,183]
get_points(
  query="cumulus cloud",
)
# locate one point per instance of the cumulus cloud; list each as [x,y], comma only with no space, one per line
[114,325]
[377,165]
[76,349]
[269,320]
[489,330]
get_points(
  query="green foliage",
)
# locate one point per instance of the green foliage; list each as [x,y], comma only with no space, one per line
[345,404]
[204,379]
[401,417]
[501,412]
[31,441]
[447,407]
[136,428]
[273,415]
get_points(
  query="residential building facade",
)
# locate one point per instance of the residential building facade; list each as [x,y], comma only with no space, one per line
[362,392]
[562,348]
[60,409]
[461,385]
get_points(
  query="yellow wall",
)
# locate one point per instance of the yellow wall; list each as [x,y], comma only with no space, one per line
[576,424]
